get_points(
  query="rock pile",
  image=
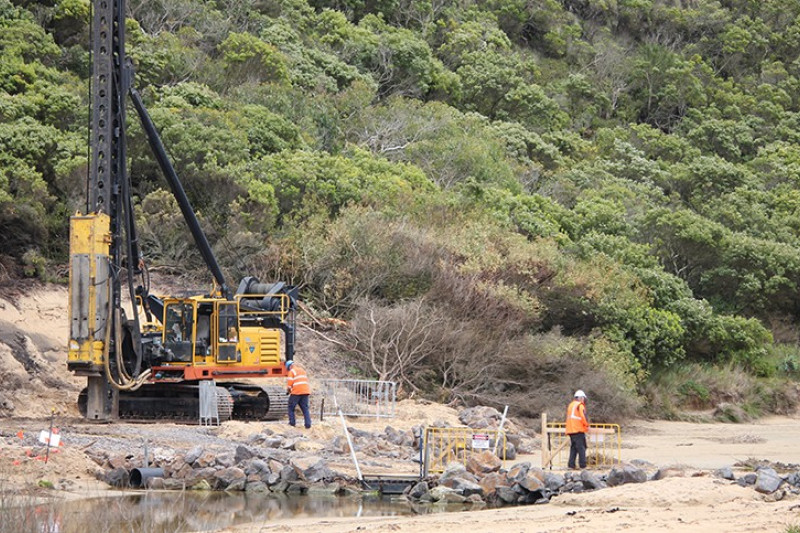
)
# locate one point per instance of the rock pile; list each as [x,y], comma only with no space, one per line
[255,468]
[483,480]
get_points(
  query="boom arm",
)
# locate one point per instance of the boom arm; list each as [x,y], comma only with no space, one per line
[178,191]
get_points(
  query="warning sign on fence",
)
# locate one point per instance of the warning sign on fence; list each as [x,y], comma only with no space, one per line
[480,441]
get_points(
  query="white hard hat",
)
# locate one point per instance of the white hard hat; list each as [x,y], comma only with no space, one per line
[580,394]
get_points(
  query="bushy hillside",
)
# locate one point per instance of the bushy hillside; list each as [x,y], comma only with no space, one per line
[504,200]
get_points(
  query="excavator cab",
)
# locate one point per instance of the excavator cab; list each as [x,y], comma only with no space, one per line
[179,330]
[201,331]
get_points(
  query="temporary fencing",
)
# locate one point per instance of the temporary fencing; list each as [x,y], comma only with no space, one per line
[443,445]
[354,397]
[216,404]
[603,444]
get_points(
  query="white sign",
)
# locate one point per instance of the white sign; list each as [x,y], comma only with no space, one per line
[596,438]
[480,441]
[54,439]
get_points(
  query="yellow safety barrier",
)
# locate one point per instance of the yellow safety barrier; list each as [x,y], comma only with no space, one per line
[603,445]
[457,444]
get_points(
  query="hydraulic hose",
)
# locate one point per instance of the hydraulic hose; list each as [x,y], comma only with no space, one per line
[128,384]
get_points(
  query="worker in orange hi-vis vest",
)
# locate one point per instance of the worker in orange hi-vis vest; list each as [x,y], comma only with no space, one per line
[577,426]
[298,390]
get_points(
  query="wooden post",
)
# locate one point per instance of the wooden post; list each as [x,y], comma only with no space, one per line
[547,454]
[545,439]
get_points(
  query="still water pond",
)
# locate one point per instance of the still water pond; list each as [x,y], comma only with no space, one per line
[160,512]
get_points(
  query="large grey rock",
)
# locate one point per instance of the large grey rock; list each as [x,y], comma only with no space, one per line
[793,479]
[397,437]
[297,487]
[573,486]
[591,481]
[256,466]
[340,445]
[228,476]
[280,486]
[256,487]
[289,474]
[532,481]
[205,460]
[439,492]
[453,497]
[273,442]
[463,486]
[480,417]
[117,477]
[475,499]
[483,463]
[767,480]
[360,433]
[193,454]
[670,471]
[725,473]
[271,478]
[201,474]
[626,473]
[747,480]
[553,481]
[243,453]
[418,490]
[311,468]
[256,439]
[225,460]
[453,469]
[507,495]
[237,484]
[509,453]
[518,471]
[490,482]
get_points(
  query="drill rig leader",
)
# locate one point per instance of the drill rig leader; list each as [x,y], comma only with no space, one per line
[151,368]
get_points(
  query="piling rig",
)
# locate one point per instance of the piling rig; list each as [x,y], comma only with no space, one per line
[150,365]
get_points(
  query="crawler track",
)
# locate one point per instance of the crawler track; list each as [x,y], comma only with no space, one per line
[180,402]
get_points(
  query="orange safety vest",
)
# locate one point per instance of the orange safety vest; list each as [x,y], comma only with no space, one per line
[576,418]
[297,381]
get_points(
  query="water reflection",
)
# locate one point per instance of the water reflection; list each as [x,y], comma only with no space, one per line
[170,512]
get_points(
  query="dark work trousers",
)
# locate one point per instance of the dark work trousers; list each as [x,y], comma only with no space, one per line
[577,448]
[302,401]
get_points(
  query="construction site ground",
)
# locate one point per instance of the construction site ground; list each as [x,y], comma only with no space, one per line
[37,389]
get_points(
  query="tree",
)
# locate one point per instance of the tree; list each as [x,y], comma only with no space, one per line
[397,341]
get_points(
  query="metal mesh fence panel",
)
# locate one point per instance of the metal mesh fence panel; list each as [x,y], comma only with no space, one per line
[367,398]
